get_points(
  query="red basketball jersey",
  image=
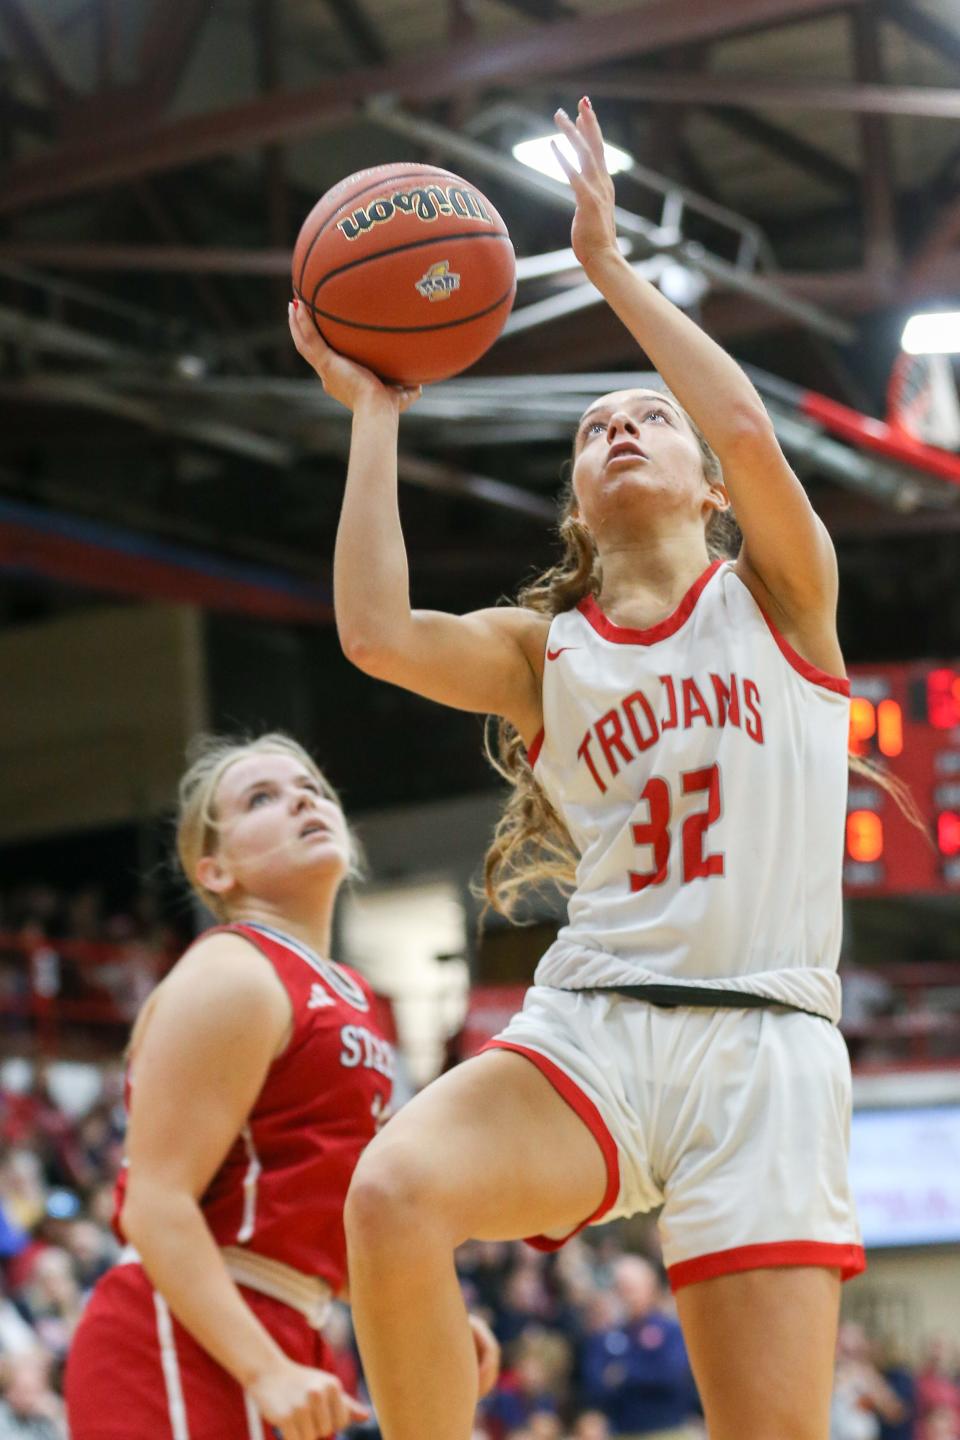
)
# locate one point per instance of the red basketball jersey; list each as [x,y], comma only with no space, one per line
[281,1189]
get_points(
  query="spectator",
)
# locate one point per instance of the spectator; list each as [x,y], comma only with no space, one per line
[29,1409]
[532,1384]
[902,1382]
[483,1266]
[525,1301]
[637,1372]
[17,1337]
[545,1425]
[862,1400]
[591,1425]
[54,1300]
[940,1424]
[93,1251]
[938,1389]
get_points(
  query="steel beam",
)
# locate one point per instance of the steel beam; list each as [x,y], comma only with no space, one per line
[166,44]
[882,248]
[209,431]
[567,46]
[435,475]
[935,252]
[787,146]
[647,236]
[774,93]
[157,259]
[569,302]
[939,38]
[49,337]
[164,223]
[360,30]
[529,407]
[31,35]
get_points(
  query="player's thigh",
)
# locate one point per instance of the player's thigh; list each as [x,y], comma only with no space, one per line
[761,1344]
[492,1148]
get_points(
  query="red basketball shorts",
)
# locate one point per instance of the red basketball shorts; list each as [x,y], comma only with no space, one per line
[133,1372]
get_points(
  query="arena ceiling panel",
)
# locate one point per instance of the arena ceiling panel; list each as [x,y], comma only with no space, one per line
[159,155]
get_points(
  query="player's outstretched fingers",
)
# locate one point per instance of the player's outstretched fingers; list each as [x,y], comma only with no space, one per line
[577,143]
[589,127]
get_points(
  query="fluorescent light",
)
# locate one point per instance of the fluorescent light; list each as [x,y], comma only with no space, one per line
[936,334]
[539,155]
[681,285]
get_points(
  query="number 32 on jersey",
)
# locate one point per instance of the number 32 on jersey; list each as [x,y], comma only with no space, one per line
[696,862]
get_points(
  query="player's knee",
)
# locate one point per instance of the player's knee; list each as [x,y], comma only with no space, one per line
[394,1194]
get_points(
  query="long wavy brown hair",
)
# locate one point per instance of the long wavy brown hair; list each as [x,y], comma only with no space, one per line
[531,847]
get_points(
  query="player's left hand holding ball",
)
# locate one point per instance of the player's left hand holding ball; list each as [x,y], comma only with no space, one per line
[594,231]
[488,1354]
[341,378]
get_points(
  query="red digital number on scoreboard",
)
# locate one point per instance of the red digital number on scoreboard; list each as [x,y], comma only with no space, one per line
[875,726]
[943,699]
[905,721]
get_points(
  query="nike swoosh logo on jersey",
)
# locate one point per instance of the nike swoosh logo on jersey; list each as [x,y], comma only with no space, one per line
[555,654]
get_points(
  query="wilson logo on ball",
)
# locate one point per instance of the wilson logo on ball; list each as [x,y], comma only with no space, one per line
[427,203]
[439,282]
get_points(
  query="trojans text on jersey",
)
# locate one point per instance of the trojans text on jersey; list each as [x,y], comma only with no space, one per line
[638,721]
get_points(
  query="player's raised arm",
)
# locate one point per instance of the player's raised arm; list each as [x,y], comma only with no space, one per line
[487,661]
[786,546]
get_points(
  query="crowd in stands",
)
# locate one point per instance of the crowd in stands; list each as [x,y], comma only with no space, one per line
[74,956]
[592,1348]
[87,959]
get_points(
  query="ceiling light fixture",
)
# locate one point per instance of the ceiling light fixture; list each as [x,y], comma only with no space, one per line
[538,154]
[934,334]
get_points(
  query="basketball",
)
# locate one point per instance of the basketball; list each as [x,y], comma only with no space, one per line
[407,269]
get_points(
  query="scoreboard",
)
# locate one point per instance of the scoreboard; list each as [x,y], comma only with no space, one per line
[906,720]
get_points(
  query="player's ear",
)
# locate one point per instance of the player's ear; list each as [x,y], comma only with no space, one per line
[213,875]
[716,497]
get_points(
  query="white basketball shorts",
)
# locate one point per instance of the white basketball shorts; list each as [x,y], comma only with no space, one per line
[737,1122]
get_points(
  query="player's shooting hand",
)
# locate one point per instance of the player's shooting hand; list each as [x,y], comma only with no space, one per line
[346,381]
[594,232]
[305,1404]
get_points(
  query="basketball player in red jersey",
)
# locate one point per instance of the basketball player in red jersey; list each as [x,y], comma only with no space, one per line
[684,721]
[257,1075]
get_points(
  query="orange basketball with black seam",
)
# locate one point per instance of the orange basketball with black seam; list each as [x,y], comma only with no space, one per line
[407,269]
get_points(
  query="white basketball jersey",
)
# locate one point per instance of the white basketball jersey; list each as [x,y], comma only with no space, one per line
[701,769]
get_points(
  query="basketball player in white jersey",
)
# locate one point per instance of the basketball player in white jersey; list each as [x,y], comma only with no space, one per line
[685,727]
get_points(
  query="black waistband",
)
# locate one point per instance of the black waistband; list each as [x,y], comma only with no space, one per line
[670,997]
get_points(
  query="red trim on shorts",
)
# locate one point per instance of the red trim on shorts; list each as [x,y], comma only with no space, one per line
[838,683]
[535,747]
[848,1259]
[583,1106]
[623,635]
